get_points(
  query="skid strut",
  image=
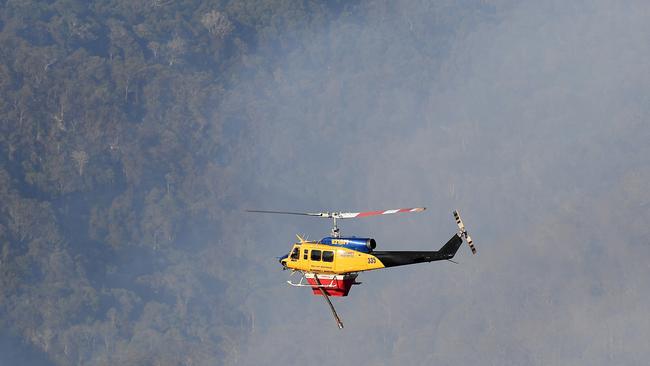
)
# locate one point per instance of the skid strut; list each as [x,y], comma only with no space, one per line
[331,284]
[339,323]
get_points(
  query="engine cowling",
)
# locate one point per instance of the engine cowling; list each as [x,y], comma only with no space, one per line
[365,245]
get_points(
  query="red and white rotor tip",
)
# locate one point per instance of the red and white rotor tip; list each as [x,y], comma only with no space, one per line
[462,232]
[351,215]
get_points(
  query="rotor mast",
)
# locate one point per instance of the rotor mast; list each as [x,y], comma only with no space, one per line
[335,230]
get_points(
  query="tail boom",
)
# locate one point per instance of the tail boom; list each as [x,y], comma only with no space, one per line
[447,252]
[402,258]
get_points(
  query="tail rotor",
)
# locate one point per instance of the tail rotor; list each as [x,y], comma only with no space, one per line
[462,232]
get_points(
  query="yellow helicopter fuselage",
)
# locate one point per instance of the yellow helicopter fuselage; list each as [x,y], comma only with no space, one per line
[314,257]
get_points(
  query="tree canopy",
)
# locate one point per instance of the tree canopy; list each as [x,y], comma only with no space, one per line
[114,161]
[122,127]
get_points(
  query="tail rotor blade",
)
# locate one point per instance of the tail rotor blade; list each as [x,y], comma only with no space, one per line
[459,222]
[470,242]
[462,232]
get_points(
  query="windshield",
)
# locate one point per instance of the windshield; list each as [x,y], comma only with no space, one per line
[295,253]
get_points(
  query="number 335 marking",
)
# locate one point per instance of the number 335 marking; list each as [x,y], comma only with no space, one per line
[372,260]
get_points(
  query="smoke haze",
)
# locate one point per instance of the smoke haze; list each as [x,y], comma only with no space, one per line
[136,134]
[531,118]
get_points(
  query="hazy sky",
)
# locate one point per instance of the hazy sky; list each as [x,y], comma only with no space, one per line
[532,119]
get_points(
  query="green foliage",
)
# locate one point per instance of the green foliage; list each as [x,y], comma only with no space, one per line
[119,130]
[112,154]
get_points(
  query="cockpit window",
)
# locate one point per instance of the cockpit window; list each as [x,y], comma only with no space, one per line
[295,254]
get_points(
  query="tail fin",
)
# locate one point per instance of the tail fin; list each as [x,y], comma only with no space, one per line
[449,250]
[462,232]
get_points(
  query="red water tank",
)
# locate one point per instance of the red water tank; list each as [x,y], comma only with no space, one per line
[333,285]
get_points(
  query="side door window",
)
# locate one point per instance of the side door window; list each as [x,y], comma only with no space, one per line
[315,255]
[328,256]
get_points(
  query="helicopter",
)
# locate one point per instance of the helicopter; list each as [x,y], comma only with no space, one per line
[330,266]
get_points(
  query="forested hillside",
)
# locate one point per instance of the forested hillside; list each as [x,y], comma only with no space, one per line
[124,150]
[115,172]
[134,134]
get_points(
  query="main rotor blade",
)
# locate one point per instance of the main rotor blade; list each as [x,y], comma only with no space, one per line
[351,215]
[346,215]
[288,213]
